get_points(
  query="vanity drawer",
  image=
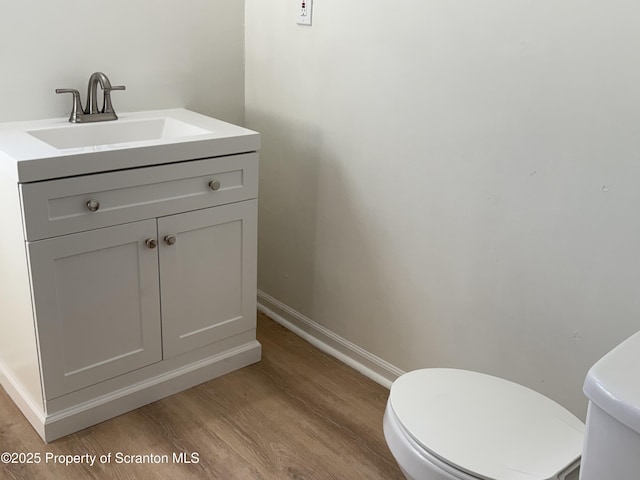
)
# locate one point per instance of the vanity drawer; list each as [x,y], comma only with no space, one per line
[69,205]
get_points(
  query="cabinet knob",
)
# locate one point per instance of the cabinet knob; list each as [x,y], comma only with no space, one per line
[93,205]
[170,239]
[151,243]
[214,185]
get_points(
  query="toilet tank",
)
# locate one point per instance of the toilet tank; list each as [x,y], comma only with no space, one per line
[611,447]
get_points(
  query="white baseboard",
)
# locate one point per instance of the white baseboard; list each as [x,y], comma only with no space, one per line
[329,342]
[34,413]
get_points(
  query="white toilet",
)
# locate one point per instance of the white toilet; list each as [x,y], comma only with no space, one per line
[612,441]
[446,424]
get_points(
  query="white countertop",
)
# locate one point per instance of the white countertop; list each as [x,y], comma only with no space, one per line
[29,159]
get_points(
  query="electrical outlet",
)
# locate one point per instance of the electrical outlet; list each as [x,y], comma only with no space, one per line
[304,12]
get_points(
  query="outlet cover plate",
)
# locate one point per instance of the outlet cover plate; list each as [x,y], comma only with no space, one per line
[305,7]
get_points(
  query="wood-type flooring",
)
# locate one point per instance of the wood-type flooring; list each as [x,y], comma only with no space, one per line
[297,414]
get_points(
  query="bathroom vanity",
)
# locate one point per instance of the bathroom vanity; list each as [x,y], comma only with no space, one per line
[127,262]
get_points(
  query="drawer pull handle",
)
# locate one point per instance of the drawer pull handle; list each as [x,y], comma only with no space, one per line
[93,205]
[151,243]
[214,185]
[170,239]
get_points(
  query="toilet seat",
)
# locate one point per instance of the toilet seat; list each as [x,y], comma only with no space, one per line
[414,460]
[485,427]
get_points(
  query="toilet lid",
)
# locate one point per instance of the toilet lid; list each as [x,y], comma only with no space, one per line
[486,426]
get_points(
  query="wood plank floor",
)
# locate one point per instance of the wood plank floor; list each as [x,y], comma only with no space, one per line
[298,414]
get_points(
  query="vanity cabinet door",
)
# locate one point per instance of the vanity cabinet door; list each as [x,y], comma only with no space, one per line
[97,305]
[207,275]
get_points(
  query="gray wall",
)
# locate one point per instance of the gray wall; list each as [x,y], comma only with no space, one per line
[168,53]
[449,183]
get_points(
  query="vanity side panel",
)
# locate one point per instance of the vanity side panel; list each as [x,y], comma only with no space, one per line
[19,363]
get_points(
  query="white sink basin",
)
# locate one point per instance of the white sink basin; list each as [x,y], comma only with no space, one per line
[116,132]
[54,148]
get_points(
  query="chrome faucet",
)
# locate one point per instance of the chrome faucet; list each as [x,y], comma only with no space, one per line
[91,113]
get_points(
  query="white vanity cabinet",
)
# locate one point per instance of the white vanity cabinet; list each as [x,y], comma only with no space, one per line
[112,300]
[141,283]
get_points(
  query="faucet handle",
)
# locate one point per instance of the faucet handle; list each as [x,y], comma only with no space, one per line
[107,106]
[76,107]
